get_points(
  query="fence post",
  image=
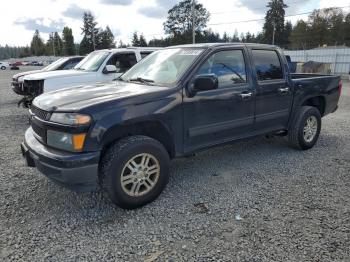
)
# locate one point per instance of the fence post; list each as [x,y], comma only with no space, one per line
[335,62]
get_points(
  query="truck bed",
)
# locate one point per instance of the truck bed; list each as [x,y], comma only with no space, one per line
[325,86]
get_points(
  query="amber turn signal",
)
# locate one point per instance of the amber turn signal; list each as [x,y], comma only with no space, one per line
[82,119]
[78,141]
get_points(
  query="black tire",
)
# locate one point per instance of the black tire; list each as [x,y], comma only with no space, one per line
[296,131]
[114,161]
[3,68]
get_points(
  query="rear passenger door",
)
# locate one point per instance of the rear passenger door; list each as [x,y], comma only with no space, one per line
[273,93]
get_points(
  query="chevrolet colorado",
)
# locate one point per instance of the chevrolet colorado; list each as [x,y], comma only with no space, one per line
[175,102]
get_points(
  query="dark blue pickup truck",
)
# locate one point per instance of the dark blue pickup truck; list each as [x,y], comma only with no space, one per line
[173,103]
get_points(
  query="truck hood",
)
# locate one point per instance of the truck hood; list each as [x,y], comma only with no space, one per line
[57,74]
[16,76]
[74,99]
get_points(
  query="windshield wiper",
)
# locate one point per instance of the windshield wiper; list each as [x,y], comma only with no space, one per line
[80,69]
[141,80]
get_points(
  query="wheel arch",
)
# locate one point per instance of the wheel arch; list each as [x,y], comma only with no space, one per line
[152,128]
[317,101]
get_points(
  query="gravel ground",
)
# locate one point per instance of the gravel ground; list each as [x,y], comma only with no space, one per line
[256,200]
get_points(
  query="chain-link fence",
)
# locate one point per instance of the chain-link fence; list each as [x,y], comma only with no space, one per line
[338,58]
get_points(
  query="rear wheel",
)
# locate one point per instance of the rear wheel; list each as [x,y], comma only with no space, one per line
[305,128]
[3,67]
[134,171]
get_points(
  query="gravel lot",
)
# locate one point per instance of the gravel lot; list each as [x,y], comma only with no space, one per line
[256,200]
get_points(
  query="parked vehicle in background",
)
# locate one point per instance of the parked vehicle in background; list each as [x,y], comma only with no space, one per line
[173,103]
[35,63]
[17,63]
[14,67]
[4,65]
[64,63]
[99,66]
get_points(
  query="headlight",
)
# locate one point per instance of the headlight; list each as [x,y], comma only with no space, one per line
[70,119]
[65,141]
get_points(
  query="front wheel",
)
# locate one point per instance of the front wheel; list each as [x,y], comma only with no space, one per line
[3,68]
[134,171]
[305,129]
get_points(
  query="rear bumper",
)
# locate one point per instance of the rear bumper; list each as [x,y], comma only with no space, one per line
[78,171]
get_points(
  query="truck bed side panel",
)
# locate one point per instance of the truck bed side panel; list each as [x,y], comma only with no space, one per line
[308,86]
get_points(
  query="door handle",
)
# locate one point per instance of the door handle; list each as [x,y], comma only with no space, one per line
[283,90]
[246,96]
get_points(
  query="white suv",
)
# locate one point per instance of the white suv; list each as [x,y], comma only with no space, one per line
[98,67]
[3,65]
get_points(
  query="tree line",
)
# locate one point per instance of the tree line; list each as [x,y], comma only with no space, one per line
[329,26]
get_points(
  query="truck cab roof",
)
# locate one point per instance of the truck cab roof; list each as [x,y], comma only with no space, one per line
[215,45]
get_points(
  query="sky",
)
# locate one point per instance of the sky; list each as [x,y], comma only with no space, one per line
[20,18]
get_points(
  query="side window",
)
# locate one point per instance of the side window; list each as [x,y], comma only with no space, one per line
[267,65]
[123,62]
[144,54]
[70,64]
[228,66]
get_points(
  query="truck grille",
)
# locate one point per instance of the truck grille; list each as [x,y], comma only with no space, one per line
[33,87]
[39,131]
[39,113]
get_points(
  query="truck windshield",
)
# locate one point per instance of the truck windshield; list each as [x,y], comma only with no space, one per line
[93,61]
[163,68]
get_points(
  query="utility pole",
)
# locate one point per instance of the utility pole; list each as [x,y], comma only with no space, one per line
[93,38]
[53,43]
[193,22]
[273,33]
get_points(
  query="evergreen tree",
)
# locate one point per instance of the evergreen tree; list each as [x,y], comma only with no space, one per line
[135,39]
[50,45]
[90,32]
[68,42]
[274,22]
[142,41]
[58,44]
[235,37]
[286,34]
[25,52]
[85,46]
[299,36]
[242,38]
[106,39]
[249,37]
[37,46]
[225,38]
[121,44]
[346,28]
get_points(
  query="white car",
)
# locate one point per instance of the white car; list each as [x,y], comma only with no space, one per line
[98,67]
[4,65]
[64,63]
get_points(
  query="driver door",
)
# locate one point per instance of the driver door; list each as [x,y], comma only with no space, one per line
[123,62]
[217,116]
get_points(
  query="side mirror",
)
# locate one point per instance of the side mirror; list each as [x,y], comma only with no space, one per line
[110,69]
[203,83]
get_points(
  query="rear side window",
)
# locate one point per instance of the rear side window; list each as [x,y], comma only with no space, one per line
[144,54]
[267,65]
[70,64]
